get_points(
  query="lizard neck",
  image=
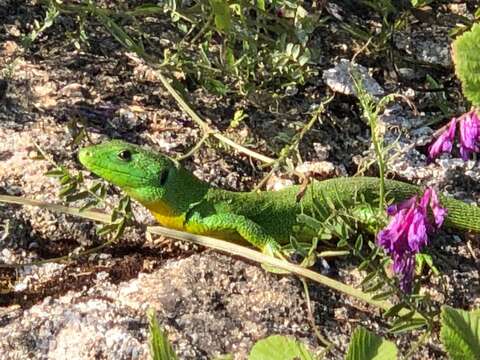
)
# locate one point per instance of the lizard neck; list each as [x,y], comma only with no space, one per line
[180,193]
[167,216]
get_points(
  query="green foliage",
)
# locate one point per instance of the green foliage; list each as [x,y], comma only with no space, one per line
[460,333]
[371,109]
[228,47]
[160,347]
[258,48]
[392,19]
[120,217]
[278,347]
[50,16]
[420,3]
[223,19]
[73,189]
[365,345]
[466,56]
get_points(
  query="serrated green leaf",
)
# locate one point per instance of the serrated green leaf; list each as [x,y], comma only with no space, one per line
[460,333]
[160,347]
[366,345]
[466,56]
[278,347]
[302,60]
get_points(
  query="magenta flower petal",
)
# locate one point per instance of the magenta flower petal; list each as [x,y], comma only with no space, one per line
[444,142]
[469,134]
[394,208]
[439,212]
[389,237]
[408,268]
[407,232]
[417,231]
[426,199]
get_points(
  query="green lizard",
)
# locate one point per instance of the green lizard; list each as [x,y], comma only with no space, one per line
[265,219]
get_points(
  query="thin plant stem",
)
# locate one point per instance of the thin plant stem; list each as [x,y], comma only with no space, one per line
[216,244]
[324,341]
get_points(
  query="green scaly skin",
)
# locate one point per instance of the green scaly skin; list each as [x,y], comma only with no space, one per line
[265,219]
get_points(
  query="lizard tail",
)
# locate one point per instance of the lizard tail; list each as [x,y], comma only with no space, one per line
[460,215]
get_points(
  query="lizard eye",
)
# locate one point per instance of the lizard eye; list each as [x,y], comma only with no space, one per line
[125,155]
[163,177]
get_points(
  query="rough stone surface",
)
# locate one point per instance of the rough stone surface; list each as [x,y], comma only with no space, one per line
[339,79]
[209,304]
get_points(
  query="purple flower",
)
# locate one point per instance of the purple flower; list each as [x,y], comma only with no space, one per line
[439,212]
[444,142]
[407,232]
[469,135]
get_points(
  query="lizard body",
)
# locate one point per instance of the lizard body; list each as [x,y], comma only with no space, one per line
[265,219]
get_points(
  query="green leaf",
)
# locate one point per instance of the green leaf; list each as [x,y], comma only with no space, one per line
[67,190]
[365,345]
[58,172]
[78,196]
[278,347]
[384,295]
[408,325]
[460,333]
[394,310]
[466,56]
[160,347]
[221,10]
[261,4]
[146,10]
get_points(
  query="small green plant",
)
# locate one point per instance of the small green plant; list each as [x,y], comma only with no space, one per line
[160,347]
[72,189]
[50,16]
[229,48]
[466,57]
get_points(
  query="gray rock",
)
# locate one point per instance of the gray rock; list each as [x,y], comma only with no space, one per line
[429,50]
[339,79]
[209,304]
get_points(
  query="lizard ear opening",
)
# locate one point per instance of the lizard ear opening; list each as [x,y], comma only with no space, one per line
[163,177]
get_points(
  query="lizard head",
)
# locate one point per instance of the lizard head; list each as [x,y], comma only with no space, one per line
[141,173]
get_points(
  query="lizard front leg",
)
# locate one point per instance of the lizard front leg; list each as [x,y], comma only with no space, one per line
[227,222]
